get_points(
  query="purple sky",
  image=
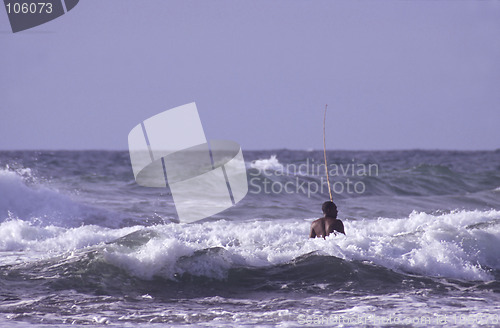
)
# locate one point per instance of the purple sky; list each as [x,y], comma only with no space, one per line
[395,74]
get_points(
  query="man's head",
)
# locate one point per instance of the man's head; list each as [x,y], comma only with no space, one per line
[329,209]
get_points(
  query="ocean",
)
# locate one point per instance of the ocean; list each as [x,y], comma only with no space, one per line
[81,243]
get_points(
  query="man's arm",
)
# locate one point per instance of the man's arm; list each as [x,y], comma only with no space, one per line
[339,226]
[312,234]
[329,228]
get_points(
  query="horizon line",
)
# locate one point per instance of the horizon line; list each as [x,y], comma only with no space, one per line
[267,149]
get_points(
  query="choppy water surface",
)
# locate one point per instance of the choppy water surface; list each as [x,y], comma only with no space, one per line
[82,243]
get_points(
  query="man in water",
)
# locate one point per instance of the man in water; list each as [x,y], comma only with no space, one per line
[326,225]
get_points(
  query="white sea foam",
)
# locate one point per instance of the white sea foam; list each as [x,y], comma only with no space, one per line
[23,198]
[449,245]
[433,245]
[34,242]
[459,245]
[23,201]
[270,164]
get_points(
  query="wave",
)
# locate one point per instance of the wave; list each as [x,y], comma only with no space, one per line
[44,241]
[457,245]
[26,199]
[374,179]
[90,271]
[270,164]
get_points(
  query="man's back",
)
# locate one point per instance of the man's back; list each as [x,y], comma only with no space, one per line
[323,227]
[329,223]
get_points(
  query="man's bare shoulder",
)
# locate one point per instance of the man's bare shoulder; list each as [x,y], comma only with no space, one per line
[320,220]
[329,219]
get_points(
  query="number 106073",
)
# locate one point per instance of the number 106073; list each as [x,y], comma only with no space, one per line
[29,8]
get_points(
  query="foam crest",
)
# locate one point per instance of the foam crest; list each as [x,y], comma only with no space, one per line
[270,164]
[461,244]
[23,198]
[442,246]
[453,245]
[38,242]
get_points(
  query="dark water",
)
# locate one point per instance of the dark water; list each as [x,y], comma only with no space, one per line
[82,243]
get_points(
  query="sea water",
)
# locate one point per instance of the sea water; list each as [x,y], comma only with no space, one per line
[81,243]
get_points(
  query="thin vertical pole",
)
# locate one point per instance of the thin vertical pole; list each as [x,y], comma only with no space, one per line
[324,151]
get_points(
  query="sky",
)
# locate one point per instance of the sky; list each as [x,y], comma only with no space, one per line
[395,74]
